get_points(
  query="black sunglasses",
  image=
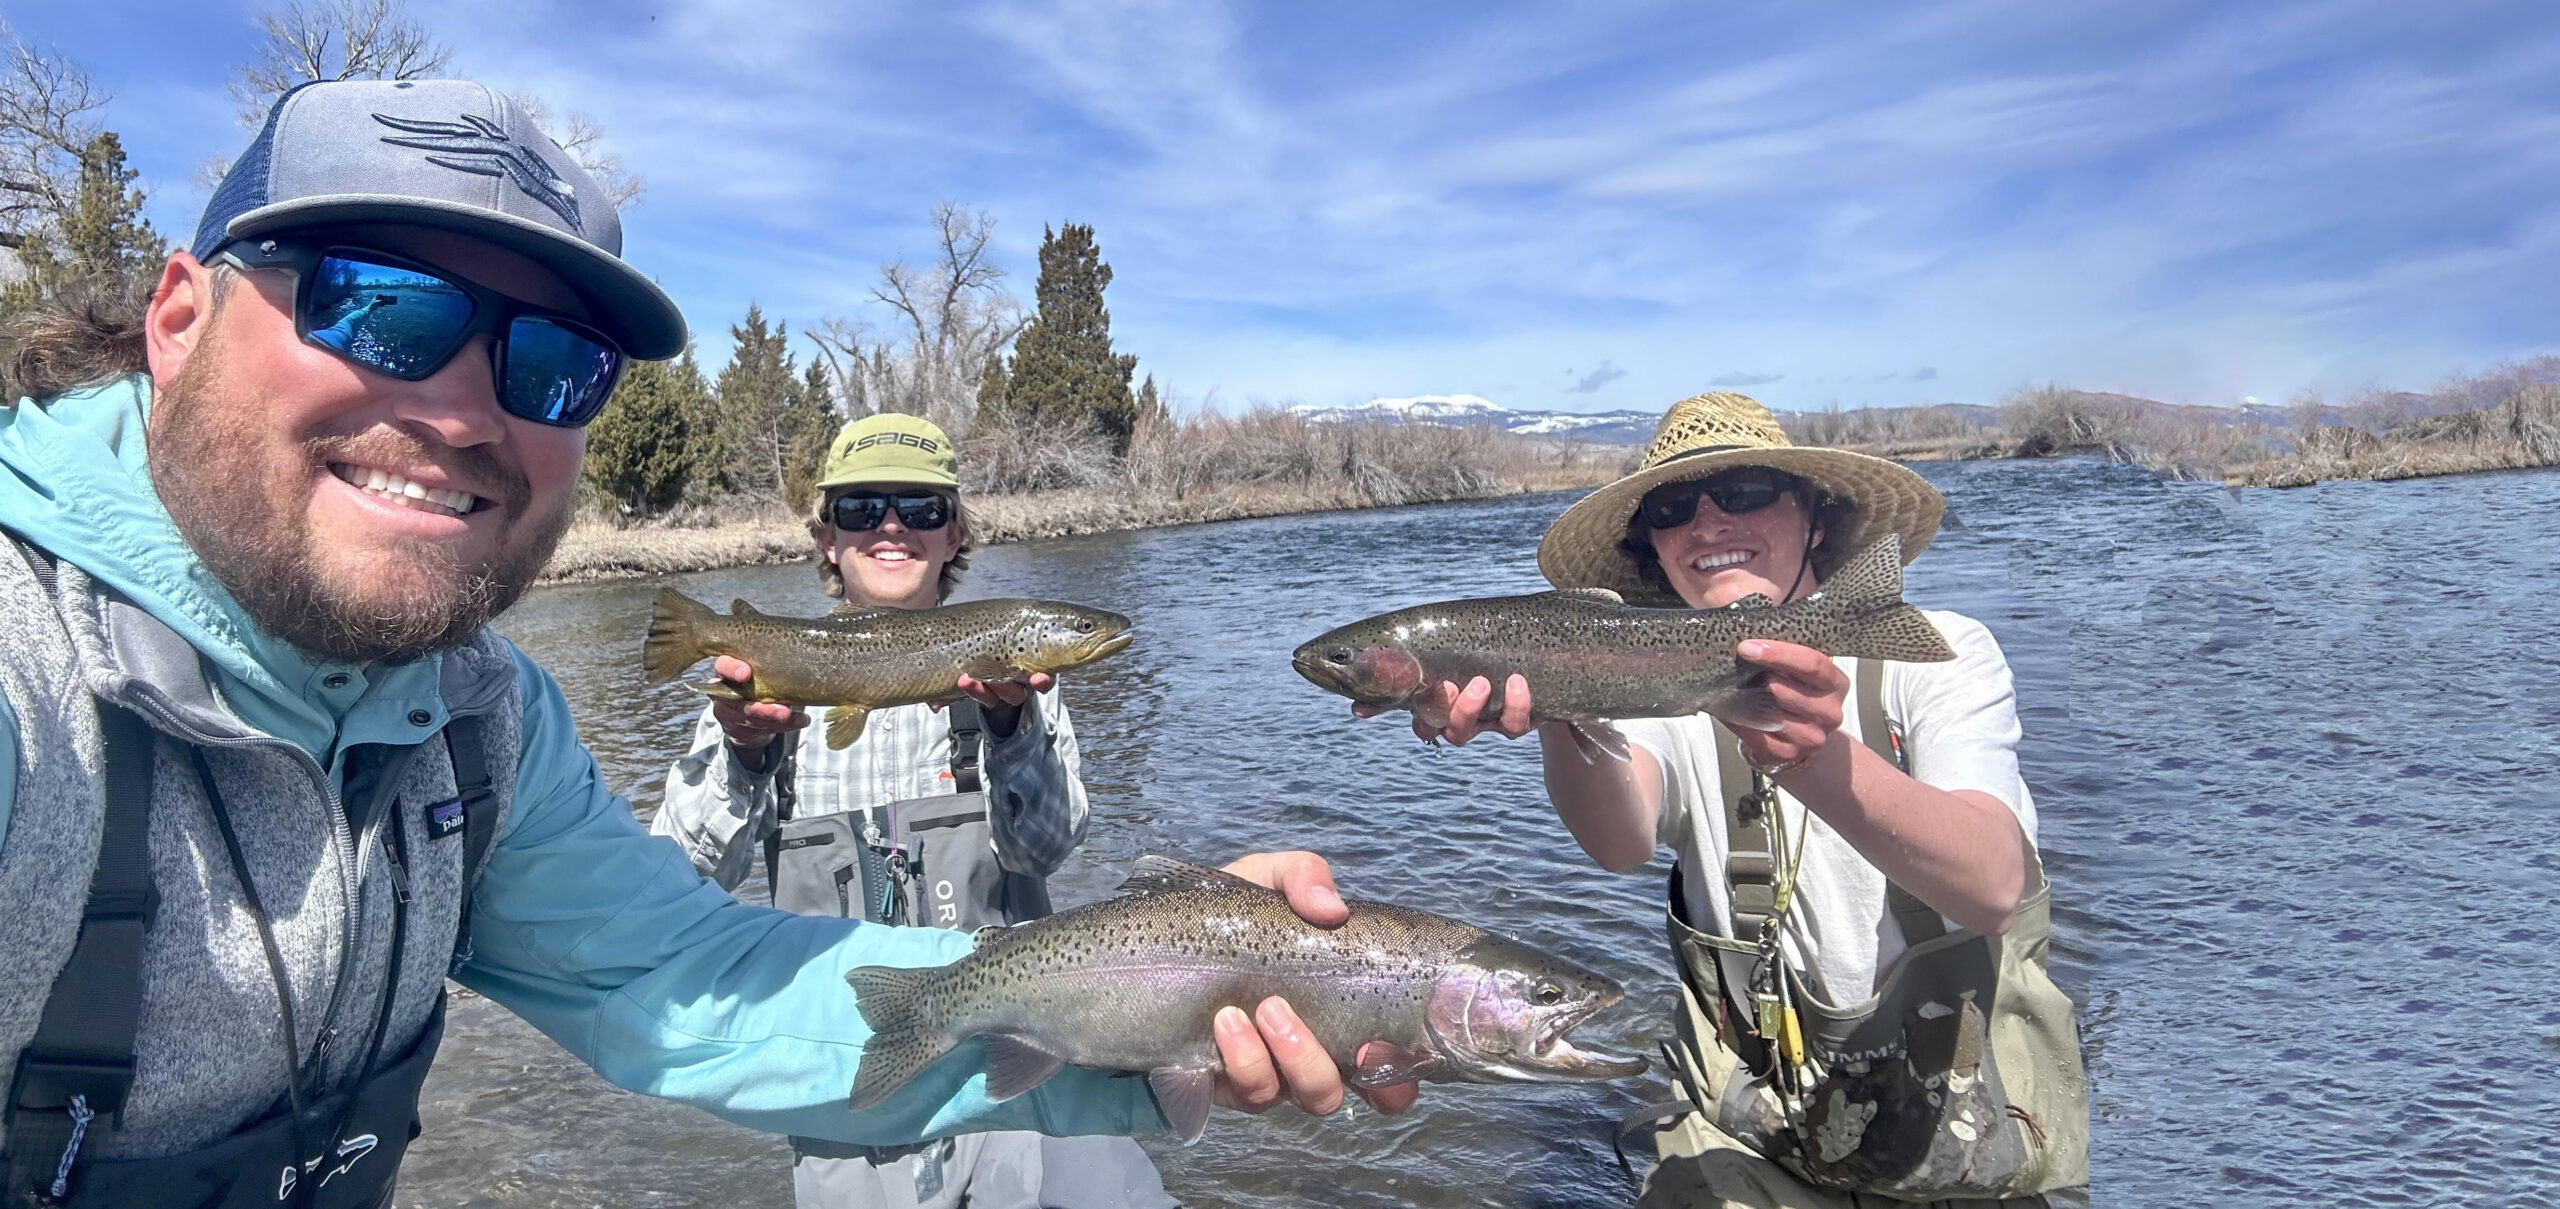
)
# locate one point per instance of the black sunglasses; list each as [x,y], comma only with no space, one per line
[1736,491]
[857,511]
[398,317]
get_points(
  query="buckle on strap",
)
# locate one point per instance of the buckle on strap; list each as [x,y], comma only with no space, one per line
[49,1082]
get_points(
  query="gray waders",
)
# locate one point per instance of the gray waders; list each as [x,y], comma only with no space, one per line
[1958,1080]
[932,861]
[339,1150]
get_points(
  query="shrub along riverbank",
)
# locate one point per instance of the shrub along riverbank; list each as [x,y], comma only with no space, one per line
[2507,418]
[1027,482]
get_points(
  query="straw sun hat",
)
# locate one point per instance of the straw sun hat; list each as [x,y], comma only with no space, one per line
[1716,431]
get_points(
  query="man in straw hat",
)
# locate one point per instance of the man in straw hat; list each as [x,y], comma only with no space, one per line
[1858,911]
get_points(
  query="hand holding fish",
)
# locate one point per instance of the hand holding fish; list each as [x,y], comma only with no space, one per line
[1459,714]
[750,725]
[1811,695]
[1272,1056]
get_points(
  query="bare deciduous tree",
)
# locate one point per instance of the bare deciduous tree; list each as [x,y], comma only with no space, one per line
[952,315]
[334,40]
[582,136]
[46,103]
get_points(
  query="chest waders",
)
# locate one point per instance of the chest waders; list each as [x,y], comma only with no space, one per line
[928,861]
[1959,1077]
[338,1150]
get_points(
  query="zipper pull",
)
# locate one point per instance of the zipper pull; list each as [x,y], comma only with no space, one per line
[399,872]
[320,1049]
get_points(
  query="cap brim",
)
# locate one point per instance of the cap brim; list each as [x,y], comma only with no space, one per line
[893,476]
[1580,550]
[619,300]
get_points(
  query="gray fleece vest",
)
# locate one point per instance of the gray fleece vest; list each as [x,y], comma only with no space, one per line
[208,1056]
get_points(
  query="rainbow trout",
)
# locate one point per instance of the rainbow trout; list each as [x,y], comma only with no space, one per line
[1589,656]
[857,659]
[1132,983]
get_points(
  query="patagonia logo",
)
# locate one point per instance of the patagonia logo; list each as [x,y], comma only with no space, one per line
[444,818]
[481,147]
[908,439]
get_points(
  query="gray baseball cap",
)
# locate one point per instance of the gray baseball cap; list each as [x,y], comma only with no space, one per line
[448,154]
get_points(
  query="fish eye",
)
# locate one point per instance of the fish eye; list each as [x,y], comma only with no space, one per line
[1084,625]
[1547,993]
[1340,654]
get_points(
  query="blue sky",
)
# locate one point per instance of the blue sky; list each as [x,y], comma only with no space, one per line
[1588,207]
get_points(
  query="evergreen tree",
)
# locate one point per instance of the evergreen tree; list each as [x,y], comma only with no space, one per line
[755,389]
[809,423]
[994,385]
[1150,405]
[1063,366]
[100,241]
[640,447]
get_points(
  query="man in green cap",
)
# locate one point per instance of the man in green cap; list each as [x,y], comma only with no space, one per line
[890,532]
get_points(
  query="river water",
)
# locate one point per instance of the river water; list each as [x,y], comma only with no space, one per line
[2290,752]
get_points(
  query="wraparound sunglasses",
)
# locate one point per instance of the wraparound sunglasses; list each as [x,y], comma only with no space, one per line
[398,317]
[1736,491]
[860,511]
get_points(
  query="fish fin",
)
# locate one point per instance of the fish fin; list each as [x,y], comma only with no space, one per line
[673,645]
[1182,1095]
[891,1000]
[844,725]
[1383,1064]
[1163,875]
[720,690]
[1601,595]
[1598,741]
[738,607]
[1897,632]
[1015,1065]
[1752,707]
[1873,577]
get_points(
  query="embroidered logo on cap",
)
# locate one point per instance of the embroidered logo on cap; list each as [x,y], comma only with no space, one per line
[481,147]
[444,818]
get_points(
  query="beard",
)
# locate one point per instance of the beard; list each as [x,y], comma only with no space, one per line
[241,498]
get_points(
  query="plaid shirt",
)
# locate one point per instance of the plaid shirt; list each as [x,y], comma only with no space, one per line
[721,813]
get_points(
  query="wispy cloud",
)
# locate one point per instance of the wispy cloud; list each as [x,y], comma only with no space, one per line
[1591,383]
[2183,199]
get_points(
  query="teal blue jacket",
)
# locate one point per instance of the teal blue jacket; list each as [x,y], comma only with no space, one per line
[597,932]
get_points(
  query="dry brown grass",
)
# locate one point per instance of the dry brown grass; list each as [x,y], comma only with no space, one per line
[1042,481]
[2521,433]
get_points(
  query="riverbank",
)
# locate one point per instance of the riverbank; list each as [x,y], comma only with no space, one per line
[598,549]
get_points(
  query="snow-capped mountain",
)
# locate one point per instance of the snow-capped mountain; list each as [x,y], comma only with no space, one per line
[1471,411]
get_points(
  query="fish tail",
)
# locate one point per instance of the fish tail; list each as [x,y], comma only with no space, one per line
[1866,595]
[675,640]
[893,1002]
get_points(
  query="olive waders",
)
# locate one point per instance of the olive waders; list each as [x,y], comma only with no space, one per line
[1957,1081]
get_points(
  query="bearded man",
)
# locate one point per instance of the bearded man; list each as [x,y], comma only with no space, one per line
[272,776]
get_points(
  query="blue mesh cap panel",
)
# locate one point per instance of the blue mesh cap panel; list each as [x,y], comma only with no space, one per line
[243,188]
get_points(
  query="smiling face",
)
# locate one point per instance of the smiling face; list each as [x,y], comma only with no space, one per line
[891,565]
[352,514]
[1720,557]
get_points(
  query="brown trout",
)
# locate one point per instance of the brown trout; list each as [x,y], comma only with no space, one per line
[1589,656]
[1132,983]
[857,659]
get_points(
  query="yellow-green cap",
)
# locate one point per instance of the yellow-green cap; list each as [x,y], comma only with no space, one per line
[892,450]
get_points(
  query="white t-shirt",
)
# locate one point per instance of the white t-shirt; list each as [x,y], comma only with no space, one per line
[1960,720]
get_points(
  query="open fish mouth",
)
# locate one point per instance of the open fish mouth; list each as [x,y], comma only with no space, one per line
[1556,1053]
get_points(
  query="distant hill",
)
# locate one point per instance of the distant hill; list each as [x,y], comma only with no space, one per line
[1475,411]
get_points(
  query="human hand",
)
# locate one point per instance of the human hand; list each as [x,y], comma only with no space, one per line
[1271,1056]
[750,725]
[1458,714]
[1812,695]
[1006,694]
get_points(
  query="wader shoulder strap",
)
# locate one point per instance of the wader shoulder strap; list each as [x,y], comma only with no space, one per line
[465,741]
[1750,867]
[79,1064]
[968,721]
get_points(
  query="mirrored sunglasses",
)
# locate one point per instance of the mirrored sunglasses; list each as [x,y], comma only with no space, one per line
[395,316]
